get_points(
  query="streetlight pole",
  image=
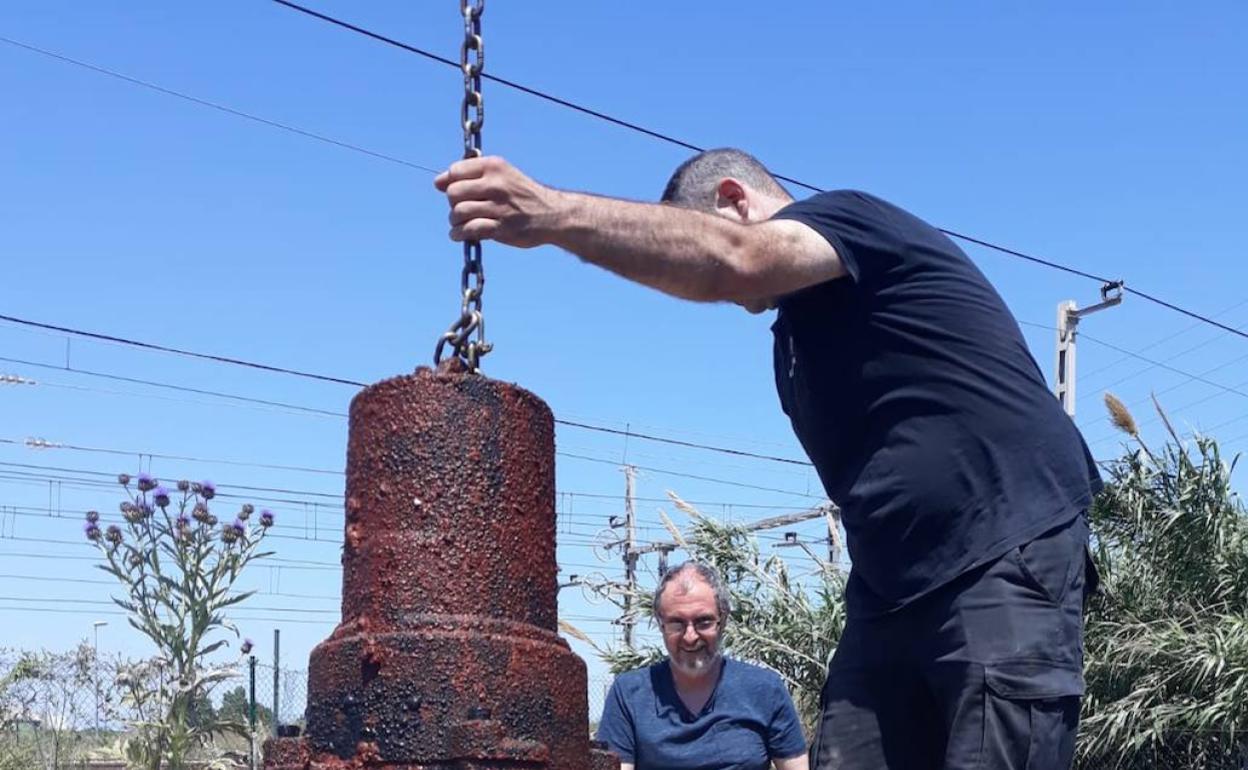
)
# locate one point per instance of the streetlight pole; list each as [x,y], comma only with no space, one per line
[95,668]
[1068,317]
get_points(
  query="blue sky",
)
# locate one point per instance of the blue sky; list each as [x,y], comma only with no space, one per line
[1110,138]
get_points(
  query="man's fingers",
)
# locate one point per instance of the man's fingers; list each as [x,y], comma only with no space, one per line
[468,168]
[471,168]
[476,194]
[466,211]
[470,190]
[475,230]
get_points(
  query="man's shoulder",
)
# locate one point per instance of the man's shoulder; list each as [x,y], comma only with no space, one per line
[750,674]
[640,679]
[850,201]
[844,197]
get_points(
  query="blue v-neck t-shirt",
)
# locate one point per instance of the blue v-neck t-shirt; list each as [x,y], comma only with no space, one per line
[748,721]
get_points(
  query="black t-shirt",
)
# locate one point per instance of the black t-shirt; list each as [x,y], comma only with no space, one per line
[910,387]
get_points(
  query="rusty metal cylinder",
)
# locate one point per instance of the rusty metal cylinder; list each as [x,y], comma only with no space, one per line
[450,503]
[447,656]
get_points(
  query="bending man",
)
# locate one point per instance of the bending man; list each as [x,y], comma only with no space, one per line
[962,484]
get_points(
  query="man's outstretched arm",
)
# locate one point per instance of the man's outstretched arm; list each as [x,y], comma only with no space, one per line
[678,251]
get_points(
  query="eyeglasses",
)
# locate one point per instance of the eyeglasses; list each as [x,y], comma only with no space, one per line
[701,625]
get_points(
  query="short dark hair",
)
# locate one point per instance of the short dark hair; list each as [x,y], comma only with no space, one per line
[708,574]
[694,182]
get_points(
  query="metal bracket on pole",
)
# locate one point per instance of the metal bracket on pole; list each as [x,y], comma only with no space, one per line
[1068,317]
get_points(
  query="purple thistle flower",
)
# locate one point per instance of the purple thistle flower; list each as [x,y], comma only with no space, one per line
[246,648]
[228,535]
[146,482]
[207,489]
[161,497]
[200,512]
[123,479]
[239,528]
[184,486]
[266,518]
[93,516]
[92,531]
[136,511]
[113,535]
[245,512]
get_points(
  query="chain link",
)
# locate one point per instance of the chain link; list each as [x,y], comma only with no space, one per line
[472,117]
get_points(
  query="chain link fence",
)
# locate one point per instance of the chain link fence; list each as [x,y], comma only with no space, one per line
[71,710]
[68,711]
[291,689]
[599,686]
[51,709]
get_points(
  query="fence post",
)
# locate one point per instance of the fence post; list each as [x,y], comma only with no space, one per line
[251,712]
[277,675]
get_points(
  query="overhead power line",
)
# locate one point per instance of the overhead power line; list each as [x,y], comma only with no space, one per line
[502,81]
[88,581]
[1168,367]
[59,600]
[178,351]
[340,381]
[1227,389]
[696,148]
[215,105]
[330,413]
[694,477]
[569,423]
[573,106]
[1084,376]
[168,386]
[119,613]
[1189,313]
[570,455]
[92,480]
[690,444]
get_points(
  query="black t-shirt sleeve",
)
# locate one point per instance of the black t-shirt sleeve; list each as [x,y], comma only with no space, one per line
[855,225]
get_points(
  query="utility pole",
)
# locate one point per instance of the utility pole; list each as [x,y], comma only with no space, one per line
[663,552]
[1068,317]
[833,516]
[630,554]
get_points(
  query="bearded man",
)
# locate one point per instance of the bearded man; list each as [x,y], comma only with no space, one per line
[696,708]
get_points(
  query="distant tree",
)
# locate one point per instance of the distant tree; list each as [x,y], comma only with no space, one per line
[236,707]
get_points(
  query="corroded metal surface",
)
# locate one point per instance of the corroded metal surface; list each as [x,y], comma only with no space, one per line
[447,657]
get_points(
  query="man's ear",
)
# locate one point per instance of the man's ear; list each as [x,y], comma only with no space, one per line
[733,191]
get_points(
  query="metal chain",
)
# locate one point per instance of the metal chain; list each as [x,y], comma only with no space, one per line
[472,117]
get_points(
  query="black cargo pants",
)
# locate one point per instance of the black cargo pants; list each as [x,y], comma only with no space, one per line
[984,673]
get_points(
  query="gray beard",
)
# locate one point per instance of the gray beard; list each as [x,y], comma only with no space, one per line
[695,663]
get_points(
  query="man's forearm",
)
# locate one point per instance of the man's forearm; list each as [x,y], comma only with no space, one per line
[678,251]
